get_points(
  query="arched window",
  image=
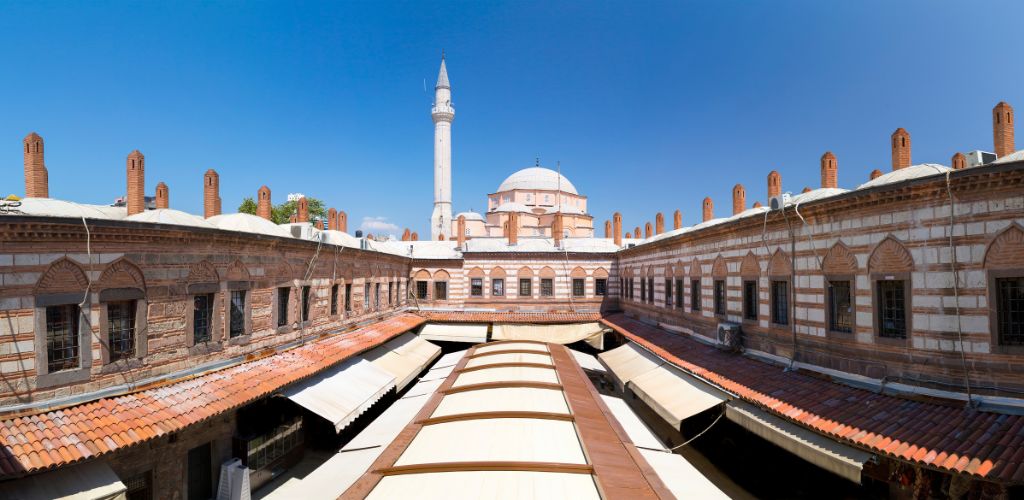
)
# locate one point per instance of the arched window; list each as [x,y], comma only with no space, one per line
[890,265]
[1004,265]
[840,271]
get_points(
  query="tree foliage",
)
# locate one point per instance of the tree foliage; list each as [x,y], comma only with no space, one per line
[282,213]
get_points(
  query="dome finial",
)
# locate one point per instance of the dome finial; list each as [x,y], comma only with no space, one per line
[538,162]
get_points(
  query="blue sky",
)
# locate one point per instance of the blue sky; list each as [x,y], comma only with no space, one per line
[649,106]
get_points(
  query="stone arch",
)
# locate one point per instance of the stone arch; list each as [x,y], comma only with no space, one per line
[839,261]
[441,275]
[579,272]
[525,272]
[695,270]
[202,272]
[547,272]
[476,272]
[719,269]
[890,256]
[63,276]
[238,272]
[497,272]
[284,270]
[750,268]
[122,273]
[1006,251]
[600,273]
[422,274]
[780,265]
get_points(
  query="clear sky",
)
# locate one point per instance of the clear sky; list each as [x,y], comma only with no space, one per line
[649,106]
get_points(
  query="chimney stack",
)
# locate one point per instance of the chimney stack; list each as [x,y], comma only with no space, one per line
[406,235]
[163,196]
[659,223]
[556,229]
[636,232]
[806,190]
[1002,128]
[332,219]
[607,229]
[414,237]
[36,178]
[739,199]
[320,224]
[829,170]
[263,207]
[875,174]
[647,230]
[959,161]
[617,228]
[136,195]
[513,228]
[302,206]
[900,149]
[343,221]
[757,204]
[709,209]
[440,237]
[774,184]
[211,194]
[677,220]
[461,230]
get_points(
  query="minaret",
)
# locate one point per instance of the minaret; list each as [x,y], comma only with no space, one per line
[443,113]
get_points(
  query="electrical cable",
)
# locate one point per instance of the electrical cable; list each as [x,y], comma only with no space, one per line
[699,434]
[956,290]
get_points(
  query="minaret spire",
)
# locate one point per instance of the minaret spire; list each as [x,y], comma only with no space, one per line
[443,114]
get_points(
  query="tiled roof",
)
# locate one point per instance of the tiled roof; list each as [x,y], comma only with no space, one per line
[508,317]
[986,445]
[37,442]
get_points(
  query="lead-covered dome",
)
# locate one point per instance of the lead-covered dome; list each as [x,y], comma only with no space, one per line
[537,178]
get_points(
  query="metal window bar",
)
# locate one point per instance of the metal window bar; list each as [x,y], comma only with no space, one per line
[236,319]
[61,337]
[892,318]
[121,329]
[750,299]
[282,305]
[202,318]
[525,287]
[578,289]
[695,295]
[547,287]
[719,297]
[840,306]
[1010,307]
[600,287]
[780,302]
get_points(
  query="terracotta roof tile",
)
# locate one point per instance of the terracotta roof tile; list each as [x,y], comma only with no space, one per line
[933,434]
[29,444]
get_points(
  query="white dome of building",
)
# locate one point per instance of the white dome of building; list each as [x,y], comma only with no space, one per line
[470,216]
[537,178]
[247,223]
[170,216]
[50,207]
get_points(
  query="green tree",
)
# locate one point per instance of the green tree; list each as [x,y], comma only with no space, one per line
[282,213]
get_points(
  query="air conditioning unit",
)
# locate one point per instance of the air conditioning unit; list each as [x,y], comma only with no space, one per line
[979,158]
[777,202]
[730,337]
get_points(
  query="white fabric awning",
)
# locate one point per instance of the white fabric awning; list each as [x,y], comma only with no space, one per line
[681,477]
[629,361]
[510,346]
[588,362]
[455,332]
[833,456]
[404,357]
[555,334]
[91,480]
[343,392]
[496,439]
[503,399]
[471,485]
[674,395]
[507,374]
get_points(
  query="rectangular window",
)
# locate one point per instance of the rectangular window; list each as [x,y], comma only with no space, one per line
[390,291]
[139,486]
[476,287]
[366,297]
[236,319]
[307,299]
[348,297]
[750,300]
[892,312]
[525,287]
[440,290]
[643,291]
[1010,310]
[679,293]
[840,305]
[334,300]
[421,290]
[719,297]
[202,318]
[695,295]
[282,305]
[547,287]
[668,292]
[578,287]
[376,296]
[650,290]
[498,287]
[632,288]
[61,337]
[121,329]
[600,287]
[779,292]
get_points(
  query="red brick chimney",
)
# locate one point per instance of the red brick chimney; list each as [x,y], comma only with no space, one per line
[36,179]
[677,220]
[617,228]
[513,228]
[709,209]
[959,161]
[263,206]
[647,230]
[302,207]
[441,237]
[636,232]
[875,174]
[829,170]
[136,194]
[607,229]
[774,184]
[659,223]
[806,190]
[739,199]
[460,228]
[1002,128]
[211,194]
[757,204]
[343,222]
[557,229]
[332,219]
[163,196]
[320,224]
[900,149]
[414,237]
[406,235]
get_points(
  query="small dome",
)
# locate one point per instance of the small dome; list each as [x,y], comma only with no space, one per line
[469,216]
[903,174]
[49,207]
[537,178]
[247,223]
[170,216]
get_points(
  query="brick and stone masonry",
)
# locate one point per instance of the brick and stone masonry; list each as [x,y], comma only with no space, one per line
[302,208]
[959,161]
[36,182]
[163,196]
[874,174]
[900,149]
[332,219]
[708,208]
[211,194]
[829,170]
[739,199]
[659,223]
[677,220]
[617,228]
[607,229]
[136,194]
[343,222]
[264,208]
[774,184]
[1002,128]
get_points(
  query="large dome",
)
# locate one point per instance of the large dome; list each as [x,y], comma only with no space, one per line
[537,178]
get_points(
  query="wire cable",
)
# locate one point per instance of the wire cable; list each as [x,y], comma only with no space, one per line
[956,290]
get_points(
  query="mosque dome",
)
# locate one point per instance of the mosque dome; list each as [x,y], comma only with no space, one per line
[537,178]
[470,216]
